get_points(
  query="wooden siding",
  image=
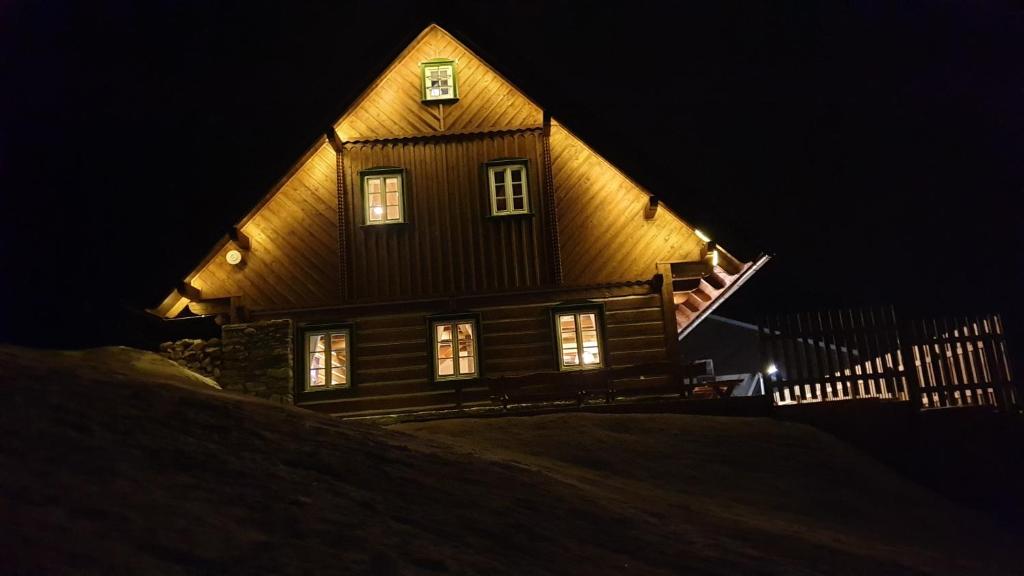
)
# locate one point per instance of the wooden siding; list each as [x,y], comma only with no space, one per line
[448,244]
[392,361]
[292,261]
[602,231]
[392,106]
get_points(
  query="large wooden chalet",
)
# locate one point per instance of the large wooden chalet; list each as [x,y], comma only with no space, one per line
[445,233]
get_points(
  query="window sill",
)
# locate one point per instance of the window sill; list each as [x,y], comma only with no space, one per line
[440,100]
[512,216]
[333,393]
[384,226]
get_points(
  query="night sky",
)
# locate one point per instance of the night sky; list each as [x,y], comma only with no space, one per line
[876,148]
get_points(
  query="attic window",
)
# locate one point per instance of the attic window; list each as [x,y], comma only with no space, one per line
[506,183]
[384,195]
[439,81]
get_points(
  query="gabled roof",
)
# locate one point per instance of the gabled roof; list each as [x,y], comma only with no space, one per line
[390,107]
[295,229]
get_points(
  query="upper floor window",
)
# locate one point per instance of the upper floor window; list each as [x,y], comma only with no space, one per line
[384,195]
[455,348]
[327,359]
[579,338]
[439,80]
[506,182]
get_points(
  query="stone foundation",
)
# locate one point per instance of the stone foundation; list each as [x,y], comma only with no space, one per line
[201,356]
[257,359]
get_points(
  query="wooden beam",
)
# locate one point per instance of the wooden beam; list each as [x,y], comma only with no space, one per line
[652,208]
[187,290]
[239,238]
[691,270]
[668,311]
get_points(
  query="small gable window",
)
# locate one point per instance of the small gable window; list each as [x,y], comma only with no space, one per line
[579,338]
[327,359]
[506,183]
[455,348]
[439,80]
[384,195]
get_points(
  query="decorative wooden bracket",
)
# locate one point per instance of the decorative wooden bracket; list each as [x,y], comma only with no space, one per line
[239,238]
[189,291]
[651,210]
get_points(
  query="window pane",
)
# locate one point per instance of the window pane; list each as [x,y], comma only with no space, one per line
[446,366]
[316,343]
[518,203]
[467,349]
[391,184]
[394,213]
[339,341]
[317,378]
[587,322]
[373,185]
[501,204]
[497,176]
[445,351]
[516,175]
[567,337]
[338,377]
[392,199]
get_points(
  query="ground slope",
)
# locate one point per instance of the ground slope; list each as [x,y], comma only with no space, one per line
[107,469]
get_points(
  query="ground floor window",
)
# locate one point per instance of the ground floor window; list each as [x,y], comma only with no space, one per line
[455,348]
[327,359]
[579,339]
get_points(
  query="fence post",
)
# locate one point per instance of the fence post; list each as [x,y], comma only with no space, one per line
[905,342]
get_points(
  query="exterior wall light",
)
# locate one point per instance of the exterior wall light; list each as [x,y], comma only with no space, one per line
[234,257]
[701,235]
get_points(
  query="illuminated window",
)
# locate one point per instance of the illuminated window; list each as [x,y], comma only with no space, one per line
[579,339]
[384,195]
[439,80]
[506,181]
[327,359]
[455,348]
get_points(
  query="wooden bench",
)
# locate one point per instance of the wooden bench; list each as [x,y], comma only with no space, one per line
[550,387]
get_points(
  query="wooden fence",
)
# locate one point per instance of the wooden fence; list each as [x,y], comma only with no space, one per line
[869,353]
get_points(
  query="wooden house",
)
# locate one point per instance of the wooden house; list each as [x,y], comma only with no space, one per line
[444,233]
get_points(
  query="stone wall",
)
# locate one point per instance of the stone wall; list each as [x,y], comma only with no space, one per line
[201,356]
[257,359]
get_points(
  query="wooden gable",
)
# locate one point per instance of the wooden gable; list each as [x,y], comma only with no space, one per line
[392,108]
[603,233]
[301,249]
[292,259]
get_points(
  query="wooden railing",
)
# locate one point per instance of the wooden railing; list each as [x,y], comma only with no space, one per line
[867,353]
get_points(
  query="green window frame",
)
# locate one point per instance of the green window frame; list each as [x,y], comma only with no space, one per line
[439,80]
[455,347]
[579,337]
[327,355]
[508,187]
[383,192]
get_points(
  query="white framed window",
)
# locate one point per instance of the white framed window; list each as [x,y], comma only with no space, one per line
[384,195]
[506,182]
[439,80]
[579,339]
[328,363]
[455,348]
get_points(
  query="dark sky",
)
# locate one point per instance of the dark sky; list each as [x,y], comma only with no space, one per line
[876,148]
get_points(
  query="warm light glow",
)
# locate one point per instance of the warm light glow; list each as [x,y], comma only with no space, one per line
[714,257]
[589,358]
[234,257]
[377,210]
[701,235]
[772,369]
